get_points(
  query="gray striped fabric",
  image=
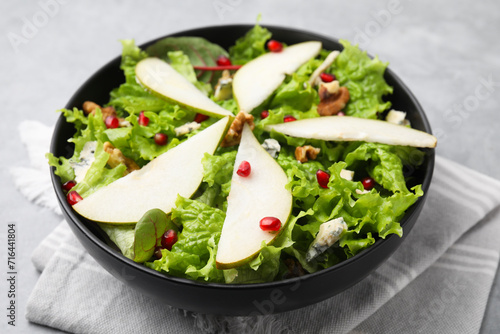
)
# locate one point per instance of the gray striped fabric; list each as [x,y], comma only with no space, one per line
[438,281]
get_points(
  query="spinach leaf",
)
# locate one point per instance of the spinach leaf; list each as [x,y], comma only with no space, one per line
[200,52]
[148,233]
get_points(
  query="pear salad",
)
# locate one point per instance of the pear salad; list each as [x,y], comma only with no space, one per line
[261,163]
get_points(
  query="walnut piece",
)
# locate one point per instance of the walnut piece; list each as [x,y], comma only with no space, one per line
[89,107]
[294,269]
[306,152]
[332,98]
[116,157]
[233,136]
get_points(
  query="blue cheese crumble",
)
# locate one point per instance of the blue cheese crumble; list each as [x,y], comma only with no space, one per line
[329,233]
[87,157]
[186,128]
[272,147]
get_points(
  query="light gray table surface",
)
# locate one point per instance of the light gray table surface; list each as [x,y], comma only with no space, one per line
[447,52]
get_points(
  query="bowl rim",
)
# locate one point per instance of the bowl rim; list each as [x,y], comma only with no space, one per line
[75,219]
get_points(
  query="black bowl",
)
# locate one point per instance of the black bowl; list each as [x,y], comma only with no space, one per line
[247,299]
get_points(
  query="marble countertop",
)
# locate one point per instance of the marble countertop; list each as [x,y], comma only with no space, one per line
[446,52]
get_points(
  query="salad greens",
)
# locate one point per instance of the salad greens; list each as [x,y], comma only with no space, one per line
[199,52]
[198,220]
[250,46]
[364,79]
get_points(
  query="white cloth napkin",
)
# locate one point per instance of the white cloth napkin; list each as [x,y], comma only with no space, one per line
[438,281]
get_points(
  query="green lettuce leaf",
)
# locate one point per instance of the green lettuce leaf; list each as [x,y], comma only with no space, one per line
[193,255]
[364,77]
[122,235]
[89,128]
[180,62]
[131,98]
[131,55]
[77,117]
[376,213]
[217,173]
[250,46]
[62,166]
[263,268]
[353,243]
[137,142]
[98,175]
[296,93]
[386,164]
[94,131]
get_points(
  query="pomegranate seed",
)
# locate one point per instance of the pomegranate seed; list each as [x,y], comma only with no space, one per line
[368,183]
[323,178]
[264,114]
[73,197]
[68,185]
[161,139]
[327,77]
[270,224]
[169,239]
[112,122]
[157,254]
[200,118]
[223,61]
[289,118]
[143,120]
[341,113]
[244,169]
[274,46]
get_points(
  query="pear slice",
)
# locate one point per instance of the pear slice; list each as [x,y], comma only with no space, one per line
[261,194]
[162,80]
[156,185]
[258,79]
[345,128]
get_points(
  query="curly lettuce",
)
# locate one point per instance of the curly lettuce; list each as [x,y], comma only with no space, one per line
[250,46]
[367,214]
[193,255]
[364,78]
